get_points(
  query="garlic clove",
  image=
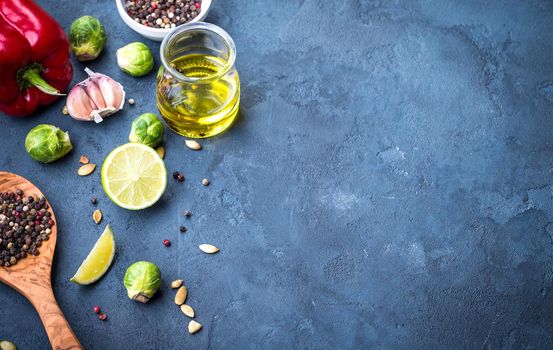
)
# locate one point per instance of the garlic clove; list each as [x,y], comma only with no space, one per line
[95,98]
[112,91]
[79,105]
[95,94]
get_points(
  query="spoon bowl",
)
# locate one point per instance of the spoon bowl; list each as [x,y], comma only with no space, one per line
[31,276]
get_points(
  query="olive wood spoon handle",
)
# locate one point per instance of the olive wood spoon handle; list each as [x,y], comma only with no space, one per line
[58,330]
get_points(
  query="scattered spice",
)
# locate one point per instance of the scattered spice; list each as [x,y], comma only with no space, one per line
[131,101]
[180,297]
[208,248]
[7,345]
[187,213]
[86,169]
[176,284]
[163,13]
[25,223]
[84,160]
[96,309]
[103,316]
[160,152]
[205,182]
[166,242]
[193,145]
[194,327]
[97,216]
[182,229]
[187,310]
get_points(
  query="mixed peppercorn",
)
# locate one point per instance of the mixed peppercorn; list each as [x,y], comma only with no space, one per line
[163,13]
[102,316]
[178,176]
[25,223]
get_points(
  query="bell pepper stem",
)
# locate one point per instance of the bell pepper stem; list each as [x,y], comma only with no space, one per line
[32,77]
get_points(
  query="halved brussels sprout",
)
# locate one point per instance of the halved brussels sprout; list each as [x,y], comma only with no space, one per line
[87,37]
[135,59]
[142,281]
[46,143]
[147,129]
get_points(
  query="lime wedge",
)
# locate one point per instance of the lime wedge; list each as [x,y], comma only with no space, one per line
[98,260]
[134,176]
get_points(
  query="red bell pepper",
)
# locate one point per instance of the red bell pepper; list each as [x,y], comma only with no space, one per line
[34,58]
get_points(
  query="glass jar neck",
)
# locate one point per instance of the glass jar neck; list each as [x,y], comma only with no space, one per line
[198,38]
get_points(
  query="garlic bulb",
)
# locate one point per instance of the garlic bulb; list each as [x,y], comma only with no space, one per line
[95,98]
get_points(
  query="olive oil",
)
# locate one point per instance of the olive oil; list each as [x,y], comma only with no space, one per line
[202,103]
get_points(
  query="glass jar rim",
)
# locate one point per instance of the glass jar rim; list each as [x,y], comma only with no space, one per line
[193,27]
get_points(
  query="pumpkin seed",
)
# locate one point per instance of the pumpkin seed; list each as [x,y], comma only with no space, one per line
[176,284]
[208,248]
[84,160]
[187,310]
[193,327]
[193,144]
[160,152]
[97,216]
[180,297]
[86,169]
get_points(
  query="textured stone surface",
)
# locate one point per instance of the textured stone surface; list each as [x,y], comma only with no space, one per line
[388,186]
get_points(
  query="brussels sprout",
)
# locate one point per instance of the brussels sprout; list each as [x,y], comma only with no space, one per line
[87,38]
[46,143]
[147,129]
[142,281]
[135,59]
[7,345]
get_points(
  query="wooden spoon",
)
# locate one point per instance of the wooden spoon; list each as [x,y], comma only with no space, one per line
[31,275]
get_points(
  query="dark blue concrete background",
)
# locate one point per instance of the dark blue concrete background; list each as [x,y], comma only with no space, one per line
[389,186]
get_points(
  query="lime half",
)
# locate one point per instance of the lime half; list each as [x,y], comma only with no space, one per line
[134,176]
[98,260]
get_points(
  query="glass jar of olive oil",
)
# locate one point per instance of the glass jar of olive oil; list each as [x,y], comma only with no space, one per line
[198,89]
